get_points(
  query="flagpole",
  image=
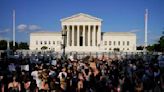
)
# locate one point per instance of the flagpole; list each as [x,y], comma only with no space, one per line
[13,28]
[8,44]
[146,21]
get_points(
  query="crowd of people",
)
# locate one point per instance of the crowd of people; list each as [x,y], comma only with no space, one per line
[90,74]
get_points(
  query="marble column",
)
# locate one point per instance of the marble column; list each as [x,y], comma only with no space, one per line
[99,35]
[67,35]
[73,35]
[89,31]
[78,27]
[83,35]
[93,35]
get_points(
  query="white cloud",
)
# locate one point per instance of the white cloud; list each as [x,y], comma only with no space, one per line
[5,30]
[34,27]
[22,27]
[38,31]
[25,27]
[135,30]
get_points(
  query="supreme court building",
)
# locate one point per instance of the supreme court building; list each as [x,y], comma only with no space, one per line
[83,34]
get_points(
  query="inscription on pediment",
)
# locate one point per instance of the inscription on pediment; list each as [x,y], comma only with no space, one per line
[81,18]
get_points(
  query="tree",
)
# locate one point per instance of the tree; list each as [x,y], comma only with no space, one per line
[11,45]
[140,47]
[150,48]
[161,43]
[154,47]
[159,47]
[3,44]
[44,48]
[23,45]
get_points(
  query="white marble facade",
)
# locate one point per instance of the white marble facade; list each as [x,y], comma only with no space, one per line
[84,34]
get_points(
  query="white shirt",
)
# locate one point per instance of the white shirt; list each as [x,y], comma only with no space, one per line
[71,58]
[34,74]
[25,67]
[60,74]
[53,62]
[38,83]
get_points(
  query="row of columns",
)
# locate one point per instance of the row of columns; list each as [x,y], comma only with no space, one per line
[94,41]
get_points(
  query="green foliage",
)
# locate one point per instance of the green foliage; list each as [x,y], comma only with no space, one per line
[140,47]
[3,44]
[11,45]
[161,42]
[23,45]
[150,48]
[158,47]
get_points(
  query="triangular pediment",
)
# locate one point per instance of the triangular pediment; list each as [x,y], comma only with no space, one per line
[81,17]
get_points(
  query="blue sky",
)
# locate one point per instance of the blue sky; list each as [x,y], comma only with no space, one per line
[117,15]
